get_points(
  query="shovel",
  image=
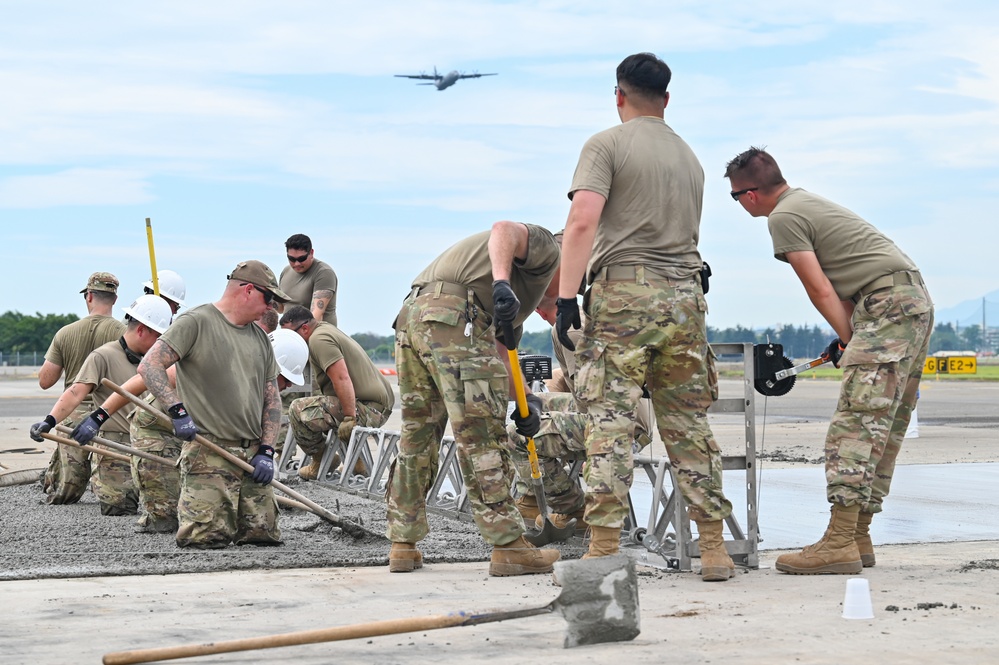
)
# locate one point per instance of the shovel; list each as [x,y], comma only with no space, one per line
[599,600]
[348,527]
[549,533]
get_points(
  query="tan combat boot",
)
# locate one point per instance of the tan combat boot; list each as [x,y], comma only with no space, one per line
[604,541]
[862,536]
[837,554]
[716,564]
[311,472]
[404,558]
[561,520]
[528,507]
[521,558]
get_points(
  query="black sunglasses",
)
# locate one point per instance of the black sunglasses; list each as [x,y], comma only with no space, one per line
[736,195]
[298,259]
[268,296]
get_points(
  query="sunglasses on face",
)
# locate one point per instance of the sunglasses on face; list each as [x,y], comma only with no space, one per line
[737,194]
[268,296]
[298,259]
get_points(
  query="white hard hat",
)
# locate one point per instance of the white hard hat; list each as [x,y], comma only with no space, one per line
[291,353]
[152,311]
[171,286]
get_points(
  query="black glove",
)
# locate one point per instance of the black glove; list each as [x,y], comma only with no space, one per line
[263,465]
[90,426]
[834,352]
[43,427]
[568,315]
[505,309]
[529,425]
[183,426]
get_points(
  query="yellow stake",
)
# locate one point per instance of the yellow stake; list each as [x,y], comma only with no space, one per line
[152,256]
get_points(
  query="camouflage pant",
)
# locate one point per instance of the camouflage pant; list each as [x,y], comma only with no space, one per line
[69,469]
[882,366]
[111,480]
[219,503]
[562,438]
[443,374]
[313,417]
[158,484]
[652,331]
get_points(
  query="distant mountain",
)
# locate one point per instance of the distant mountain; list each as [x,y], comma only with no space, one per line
[969,312]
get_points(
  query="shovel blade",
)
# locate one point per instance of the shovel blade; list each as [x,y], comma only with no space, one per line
[550,533]
[599,600]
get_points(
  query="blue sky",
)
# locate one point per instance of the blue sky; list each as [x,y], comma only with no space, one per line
[236,124]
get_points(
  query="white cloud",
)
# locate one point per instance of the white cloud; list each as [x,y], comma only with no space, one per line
[76,187]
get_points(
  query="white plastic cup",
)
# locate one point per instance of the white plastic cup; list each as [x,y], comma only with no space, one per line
[857,601]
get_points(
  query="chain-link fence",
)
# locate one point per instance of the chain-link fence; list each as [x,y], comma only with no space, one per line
[22,358]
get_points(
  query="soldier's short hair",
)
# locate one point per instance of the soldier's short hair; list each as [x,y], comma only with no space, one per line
[757,167]
[645,75]
[293,316]
[299,241]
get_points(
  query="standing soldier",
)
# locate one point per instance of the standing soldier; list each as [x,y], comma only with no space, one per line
[112,482]
[873,297]
[227,377]
[452,365]
[352,390]
[632,231]
[69,468]
[307,280]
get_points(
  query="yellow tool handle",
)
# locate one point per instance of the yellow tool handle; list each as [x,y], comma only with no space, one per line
[152,256]
[521,392]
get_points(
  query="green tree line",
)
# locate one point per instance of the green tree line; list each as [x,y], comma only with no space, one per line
[23,333]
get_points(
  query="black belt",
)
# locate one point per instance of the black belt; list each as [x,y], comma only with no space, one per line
[899,278]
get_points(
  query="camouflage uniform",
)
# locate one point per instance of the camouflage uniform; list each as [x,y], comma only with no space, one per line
[111,480]
[220,503]
[560,440]
[882,366]
[443,374]
[69,469]
[650,330]
[158,484]
[311,418]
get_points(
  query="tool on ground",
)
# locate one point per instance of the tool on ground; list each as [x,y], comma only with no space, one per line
[599,601]
[152,257]
[775,372]
[348,527]
[549,533]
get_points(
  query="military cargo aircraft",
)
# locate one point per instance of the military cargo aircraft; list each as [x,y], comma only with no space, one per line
[442,81]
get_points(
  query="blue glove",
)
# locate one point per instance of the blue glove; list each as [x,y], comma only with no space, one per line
[90,426]
[529,425]
[263,465]
[834,352]
[43,427]
[183,425]
[567,315]
[506,305]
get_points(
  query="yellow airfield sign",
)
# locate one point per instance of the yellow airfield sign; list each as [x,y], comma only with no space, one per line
[951,365]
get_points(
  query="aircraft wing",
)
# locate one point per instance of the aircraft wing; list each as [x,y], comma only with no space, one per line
[426,77]
[475,76]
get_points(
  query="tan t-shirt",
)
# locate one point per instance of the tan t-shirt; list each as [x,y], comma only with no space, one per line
[328,345]
[222,371]
[852,253]
[301,286]
[467,263]
[108,362]
[74,342]
[654,187]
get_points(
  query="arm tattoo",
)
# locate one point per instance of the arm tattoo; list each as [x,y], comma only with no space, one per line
[153,370]
[271,420]
[321,299]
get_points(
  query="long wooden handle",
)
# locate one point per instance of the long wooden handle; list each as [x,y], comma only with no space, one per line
[90,449]
[350,528]
[335,634]
[127,451]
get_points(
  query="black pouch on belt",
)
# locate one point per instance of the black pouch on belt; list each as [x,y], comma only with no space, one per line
[705,274]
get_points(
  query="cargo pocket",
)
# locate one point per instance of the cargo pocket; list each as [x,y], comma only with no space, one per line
[446,315]
[486,387]
[590,372]
[490,472]
[870,375]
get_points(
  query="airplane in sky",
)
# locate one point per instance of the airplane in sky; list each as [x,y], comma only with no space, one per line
[441,81]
